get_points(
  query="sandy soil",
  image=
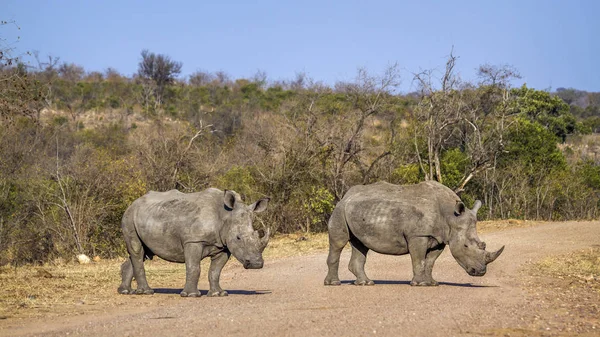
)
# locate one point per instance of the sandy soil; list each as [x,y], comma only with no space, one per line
[287,298]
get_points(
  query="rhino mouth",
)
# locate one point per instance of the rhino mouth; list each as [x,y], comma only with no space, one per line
[253,265]
[476,272]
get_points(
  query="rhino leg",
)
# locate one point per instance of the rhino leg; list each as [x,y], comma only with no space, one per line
[423,259]
[357,263]
[192,253]
[333,263]
[136,255]
[217,263]
[338,238]
[432,255]
[127,277]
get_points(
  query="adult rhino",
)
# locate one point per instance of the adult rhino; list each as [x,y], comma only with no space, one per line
[186,228]
[419,220]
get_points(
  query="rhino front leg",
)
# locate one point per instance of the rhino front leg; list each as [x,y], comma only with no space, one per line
[192,253]
[217,263]
[357,263]
[432,255]
[422,261]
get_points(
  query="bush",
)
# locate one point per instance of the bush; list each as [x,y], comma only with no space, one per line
[318,205]
[407,174]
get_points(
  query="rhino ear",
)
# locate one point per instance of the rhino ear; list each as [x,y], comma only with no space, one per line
[260,205]
[229,199]
[459,208]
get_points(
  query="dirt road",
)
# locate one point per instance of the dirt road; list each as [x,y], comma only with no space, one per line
[287,298]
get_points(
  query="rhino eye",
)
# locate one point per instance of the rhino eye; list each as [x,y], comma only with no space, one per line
[238,237]
[466,246]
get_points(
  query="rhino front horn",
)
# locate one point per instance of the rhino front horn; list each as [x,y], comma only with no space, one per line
[490,257]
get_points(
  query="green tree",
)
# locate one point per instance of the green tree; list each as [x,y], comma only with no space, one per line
[546,109]
[532,145]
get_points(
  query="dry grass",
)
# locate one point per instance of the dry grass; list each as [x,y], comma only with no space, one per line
[567,290]
[498,225]
[296,244]
[71,288]
[56,290]
[579,269]
[61,289]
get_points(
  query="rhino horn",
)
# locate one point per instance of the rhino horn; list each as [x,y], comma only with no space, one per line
[490,257]
[265,239]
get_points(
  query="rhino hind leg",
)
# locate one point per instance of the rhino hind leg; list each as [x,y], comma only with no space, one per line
[338,238]
[135,247]
[127,277]
[357,263]
[423,259]
[139,273]
[333,264]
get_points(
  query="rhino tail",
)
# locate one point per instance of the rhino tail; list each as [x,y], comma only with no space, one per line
[148,254]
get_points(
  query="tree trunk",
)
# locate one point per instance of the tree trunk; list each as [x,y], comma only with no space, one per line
[438,169]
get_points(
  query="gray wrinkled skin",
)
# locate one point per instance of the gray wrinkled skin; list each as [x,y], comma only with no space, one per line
[419,220]
[186,228]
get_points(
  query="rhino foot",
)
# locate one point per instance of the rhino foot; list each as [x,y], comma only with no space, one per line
[125,290]
[221,293]
[190,294]
[142,291]
[366,282]
[431,283]
[332,282]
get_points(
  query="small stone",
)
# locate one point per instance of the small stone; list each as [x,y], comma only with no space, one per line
[83,259]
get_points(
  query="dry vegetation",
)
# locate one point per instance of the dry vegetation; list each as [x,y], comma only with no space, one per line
[580,269]
[78,148]
[563,297]
[67,289]
[567,290]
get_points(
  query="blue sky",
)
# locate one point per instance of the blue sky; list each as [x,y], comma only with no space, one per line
[552,43]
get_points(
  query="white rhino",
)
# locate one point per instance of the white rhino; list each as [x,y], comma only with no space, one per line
[186,228]
[419,220]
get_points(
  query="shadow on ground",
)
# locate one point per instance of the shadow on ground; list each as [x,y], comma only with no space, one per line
[204,292]
[451,284]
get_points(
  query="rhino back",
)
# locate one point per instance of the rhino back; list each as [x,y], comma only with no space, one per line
[165,221]
[383,215]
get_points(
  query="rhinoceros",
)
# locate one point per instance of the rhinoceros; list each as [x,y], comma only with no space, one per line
[186,228]
[419,220]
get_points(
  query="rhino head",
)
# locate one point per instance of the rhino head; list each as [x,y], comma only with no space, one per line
[466,247]
[244,243]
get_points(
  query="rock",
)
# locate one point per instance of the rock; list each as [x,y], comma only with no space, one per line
[96,258]
[83,259]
